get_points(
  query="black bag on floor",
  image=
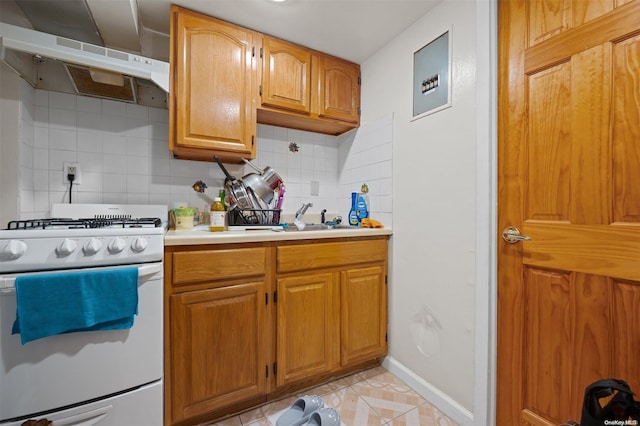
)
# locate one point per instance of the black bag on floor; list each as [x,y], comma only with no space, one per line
[609,399]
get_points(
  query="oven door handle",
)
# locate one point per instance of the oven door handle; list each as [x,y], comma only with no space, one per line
[8,284]
[147,270]
[89,418]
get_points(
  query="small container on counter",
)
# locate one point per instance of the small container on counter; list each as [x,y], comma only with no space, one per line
[183,218]
[196,217]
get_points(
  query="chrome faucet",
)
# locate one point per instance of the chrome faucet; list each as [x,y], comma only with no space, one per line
[298,221]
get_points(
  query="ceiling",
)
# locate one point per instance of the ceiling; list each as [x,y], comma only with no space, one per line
[350,29]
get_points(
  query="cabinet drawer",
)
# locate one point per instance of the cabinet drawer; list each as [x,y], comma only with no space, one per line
[325,255]
[209,265]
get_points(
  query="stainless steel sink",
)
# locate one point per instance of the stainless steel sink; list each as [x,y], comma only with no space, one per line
[318,227]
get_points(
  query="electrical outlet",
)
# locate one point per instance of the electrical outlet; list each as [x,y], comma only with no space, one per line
[71,169]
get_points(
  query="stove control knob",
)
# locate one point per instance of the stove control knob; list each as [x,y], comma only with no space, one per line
[13,249]
[139,244]
[117,245]
[66,247]
[92,246]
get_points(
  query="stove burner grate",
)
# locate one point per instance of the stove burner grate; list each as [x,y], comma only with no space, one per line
[92,223]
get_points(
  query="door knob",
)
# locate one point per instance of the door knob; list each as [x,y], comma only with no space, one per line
[511,234]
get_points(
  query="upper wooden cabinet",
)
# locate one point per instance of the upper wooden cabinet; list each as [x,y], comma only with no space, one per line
[226,78]
[338,89]
[213,89]
[307,90]
[286,75]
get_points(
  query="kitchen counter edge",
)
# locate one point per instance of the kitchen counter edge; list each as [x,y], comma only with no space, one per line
[194,237]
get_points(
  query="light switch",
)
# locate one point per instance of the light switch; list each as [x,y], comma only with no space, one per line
[315,187]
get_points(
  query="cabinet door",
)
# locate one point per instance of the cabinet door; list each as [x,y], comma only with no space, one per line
[363,295]
[286,75]
[306,326]
[338,89]
[213,87]
[218,349]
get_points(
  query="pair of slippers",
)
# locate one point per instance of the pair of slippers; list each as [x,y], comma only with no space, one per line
[309,410]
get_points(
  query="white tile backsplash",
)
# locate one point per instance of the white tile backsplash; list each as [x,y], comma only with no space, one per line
[63,101]
[62,139]
[365,156]
[63,118]
[89,105]
[89,119]
[41,98]
[123,157]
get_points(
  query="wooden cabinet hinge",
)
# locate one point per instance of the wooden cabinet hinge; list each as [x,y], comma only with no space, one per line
[386,279]
[253,51]
[266,298]
[386,337]
[266,371]
[275,368]
[359,81]
[253,140]
[260,90]
[261,53]
[359,111]
[275,296]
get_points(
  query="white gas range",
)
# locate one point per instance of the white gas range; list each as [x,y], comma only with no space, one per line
[106,377]
[84,235]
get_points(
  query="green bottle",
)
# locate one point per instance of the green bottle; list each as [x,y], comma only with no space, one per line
[222,196]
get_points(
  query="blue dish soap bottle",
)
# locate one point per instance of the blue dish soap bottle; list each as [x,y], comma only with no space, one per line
[353,216]
[362,204]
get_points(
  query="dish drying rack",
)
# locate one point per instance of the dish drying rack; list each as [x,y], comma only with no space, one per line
[253,217]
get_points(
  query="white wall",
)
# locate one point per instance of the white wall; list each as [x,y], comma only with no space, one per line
[434,255]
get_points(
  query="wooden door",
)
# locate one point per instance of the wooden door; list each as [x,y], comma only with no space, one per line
[569,177]
[213,88]
[286,75]
[338,89]
[307,326]
[363,304]
[218,348]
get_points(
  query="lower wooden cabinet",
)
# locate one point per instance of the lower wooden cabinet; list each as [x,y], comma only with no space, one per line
[217,328]
[218,347]
[363,314]
[330,320]
[307,331]
[247,322]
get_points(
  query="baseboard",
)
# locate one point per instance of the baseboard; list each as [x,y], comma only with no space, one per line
[436,397]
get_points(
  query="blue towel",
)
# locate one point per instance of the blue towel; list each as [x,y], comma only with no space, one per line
[50,304]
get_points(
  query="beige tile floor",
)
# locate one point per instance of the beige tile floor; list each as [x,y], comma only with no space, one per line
[371,397]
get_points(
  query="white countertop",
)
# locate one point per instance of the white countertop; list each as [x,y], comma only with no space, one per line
[201,235]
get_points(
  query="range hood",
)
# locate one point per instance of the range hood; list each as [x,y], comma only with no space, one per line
[56,63]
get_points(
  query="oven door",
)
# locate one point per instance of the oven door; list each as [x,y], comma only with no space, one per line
[62,371]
